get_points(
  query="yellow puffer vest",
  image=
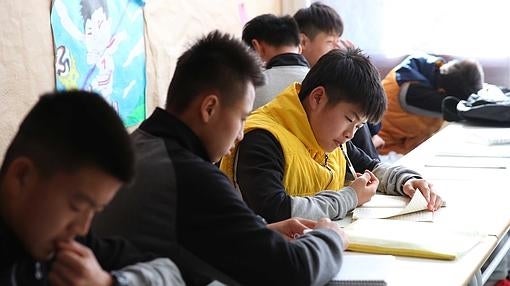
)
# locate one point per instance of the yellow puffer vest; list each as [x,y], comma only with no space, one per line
[403,131]
[305,172]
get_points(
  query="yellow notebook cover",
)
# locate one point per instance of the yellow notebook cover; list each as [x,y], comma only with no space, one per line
[407,238]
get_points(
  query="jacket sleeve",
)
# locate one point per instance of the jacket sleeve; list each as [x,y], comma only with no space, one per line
[119,256]
[113,253]
[420,99]
[363,140]
[323,254]
[158,272]
[260,170]
[392,178]
[359,159]
[243,247]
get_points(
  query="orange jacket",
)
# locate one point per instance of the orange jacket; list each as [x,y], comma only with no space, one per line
[403,131]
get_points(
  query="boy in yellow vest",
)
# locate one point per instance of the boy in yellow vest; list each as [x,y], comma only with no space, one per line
[291,161]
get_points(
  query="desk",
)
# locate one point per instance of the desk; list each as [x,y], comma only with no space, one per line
[478,198]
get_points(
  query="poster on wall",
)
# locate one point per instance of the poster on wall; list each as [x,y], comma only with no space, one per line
[99,46]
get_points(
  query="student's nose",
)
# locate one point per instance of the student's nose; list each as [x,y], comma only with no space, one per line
[81,225]
[349,133]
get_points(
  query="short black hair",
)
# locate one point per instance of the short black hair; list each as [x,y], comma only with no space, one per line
[275,31]
[70,130]
[461,78]
[348,76]
[319,18]
[215,62]
[89,6]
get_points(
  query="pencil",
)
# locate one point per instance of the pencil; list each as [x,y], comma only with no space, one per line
[349,164]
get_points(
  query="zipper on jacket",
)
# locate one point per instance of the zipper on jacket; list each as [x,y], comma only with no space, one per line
[329,170]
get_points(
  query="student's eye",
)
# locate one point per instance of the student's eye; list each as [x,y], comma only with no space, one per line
[348,119]
[74,207]
[77,205]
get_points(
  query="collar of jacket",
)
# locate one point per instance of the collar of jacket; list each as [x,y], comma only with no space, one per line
[287,59]
[287,109]
[167,126]
[11,248]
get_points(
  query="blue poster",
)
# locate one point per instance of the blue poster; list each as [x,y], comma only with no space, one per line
[99,46]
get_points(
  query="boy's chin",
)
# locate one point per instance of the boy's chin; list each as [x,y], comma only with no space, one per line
[44,254]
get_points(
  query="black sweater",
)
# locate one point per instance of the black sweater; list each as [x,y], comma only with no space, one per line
[208,218]
[17,267]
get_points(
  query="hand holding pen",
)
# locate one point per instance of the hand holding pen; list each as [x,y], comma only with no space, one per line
[365,186]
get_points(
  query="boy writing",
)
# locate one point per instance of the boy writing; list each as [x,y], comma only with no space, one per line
[182,201]
[291,163]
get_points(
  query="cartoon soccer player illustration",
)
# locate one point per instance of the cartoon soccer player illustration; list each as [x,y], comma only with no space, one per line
[100,44]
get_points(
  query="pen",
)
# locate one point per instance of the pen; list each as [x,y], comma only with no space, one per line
[349,164]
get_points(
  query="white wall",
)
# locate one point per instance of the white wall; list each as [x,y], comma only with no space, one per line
[389,30]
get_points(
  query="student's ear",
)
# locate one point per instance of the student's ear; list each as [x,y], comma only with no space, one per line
[260,48]
[21,175]
[208,107]
[303,42]
[317,98]
[256,46]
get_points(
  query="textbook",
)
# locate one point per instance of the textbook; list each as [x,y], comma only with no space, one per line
[407,238]
[395,207]
[362,269]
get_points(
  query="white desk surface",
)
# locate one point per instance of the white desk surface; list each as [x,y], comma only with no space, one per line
[477,197]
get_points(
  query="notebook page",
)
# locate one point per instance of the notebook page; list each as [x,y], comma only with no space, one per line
[379,209]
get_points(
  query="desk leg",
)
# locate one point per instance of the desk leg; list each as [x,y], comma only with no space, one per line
[498,255]
[477,279]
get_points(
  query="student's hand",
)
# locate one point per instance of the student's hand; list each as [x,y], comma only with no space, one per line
[378,141]
[75,264]
[327,223]
[426,188]
[365,186]
[293,227]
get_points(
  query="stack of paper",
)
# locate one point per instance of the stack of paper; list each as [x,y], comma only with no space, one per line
[418,239]
[397,207]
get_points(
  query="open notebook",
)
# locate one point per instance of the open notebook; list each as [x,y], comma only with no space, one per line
[406,238]
[395,207]
[362,269]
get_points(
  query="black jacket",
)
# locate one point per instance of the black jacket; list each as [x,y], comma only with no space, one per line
[18,268]
[180,197]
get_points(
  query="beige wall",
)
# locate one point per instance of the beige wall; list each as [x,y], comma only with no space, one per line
[168,38]
[26,48]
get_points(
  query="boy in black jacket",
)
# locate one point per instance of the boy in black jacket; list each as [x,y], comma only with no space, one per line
[70,156]
[181,200]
